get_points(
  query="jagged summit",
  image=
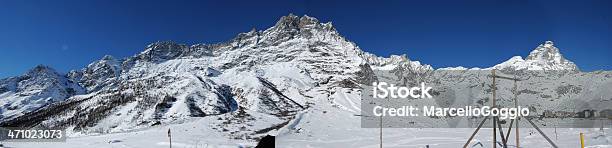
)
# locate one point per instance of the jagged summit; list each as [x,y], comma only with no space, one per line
[549,44]
[547,52]
[98,73]
[291,22]
[42,70]
[544,57]
[108,57]
[286,28]
[291,27]
[160,45]
[287,22]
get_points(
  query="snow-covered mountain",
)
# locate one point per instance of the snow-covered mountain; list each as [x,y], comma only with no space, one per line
[97,74]
[266,75]
[545,57]
[36,88]
[293,78]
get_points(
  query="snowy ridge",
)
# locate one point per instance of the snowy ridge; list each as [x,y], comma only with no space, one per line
[459,68]
[37,88]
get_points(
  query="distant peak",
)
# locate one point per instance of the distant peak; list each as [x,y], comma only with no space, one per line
[107,57]
[41,69]
[163,45]
[401,57]
[292,15]
[549,44]
[516,58]
[105,60]
[544,57]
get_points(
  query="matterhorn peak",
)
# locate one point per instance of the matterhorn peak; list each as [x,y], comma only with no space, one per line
[544,57]
[545,51]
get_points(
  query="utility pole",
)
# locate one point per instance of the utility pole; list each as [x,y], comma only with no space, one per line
[493,106]
[519,117]
[381,128]
[495,123]
[170,137]
[556,135]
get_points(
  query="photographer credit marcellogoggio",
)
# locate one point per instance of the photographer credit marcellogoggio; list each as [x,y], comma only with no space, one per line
[502,113]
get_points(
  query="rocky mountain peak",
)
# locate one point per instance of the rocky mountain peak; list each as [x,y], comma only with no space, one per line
[549,43]
[161,51]
[108,57]
[287,28]
[398,58]
[164,45]
[288,22]
[293,23]
[307,21]
[547,52]
[97,74]
[42,70]
[544,57]
[549,55]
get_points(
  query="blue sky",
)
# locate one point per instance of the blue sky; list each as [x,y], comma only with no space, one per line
[67,34]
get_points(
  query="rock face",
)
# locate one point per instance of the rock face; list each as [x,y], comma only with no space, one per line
[255,83]
[97,74]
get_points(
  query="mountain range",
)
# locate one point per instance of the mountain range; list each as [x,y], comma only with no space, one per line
[258,82]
